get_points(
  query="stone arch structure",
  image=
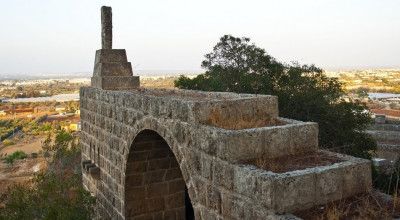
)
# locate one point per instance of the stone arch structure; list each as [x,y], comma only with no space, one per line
[204,138]
[211,135]
[154,185]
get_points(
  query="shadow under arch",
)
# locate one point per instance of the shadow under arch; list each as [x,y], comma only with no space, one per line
[154,185]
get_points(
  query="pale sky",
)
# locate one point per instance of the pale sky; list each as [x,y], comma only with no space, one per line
[51,36]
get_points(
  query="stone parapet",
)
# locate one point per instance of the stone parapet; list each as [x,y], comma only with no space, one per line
[209,157]
[302,189]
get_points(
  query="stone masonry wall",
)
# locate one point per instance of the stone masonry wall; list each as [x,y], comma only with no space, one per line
[177,154]
[155,188]
[110,122]
[209,159]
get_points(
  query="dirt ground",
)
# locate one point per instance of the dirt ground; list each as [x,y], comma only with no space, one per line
[19,172]
[28,144]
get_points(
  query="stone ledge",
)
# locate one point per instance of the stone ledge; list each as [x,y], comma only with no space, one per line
[89,167]
[302,189]
[112,69]
[115,82]
[111,56]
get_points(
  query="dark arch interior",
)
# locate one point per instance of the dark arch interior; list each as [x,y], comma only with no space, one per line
[154,186]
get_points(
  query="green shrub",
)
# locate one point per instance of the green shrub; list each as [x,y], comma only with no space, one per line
[54,193]
[46,154]
[17,155]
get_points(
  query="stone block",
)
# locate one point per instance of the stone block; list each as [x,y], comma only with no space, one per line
[136,167]
[197,190]
[154,176]
[175,200]
[169,215]
[112,69]
[329,184]
[139,206]
[141,156]
[159,153]
[232,206]
[159,164]
[181,214]
[264,188]
[135,180]
[157,190]
[135,193]
[357,178]
[244,180]
[111,56]
[207,214]
[115,82]
[223,174]
[213,199]
[94,172]
[172,174]
[294,192]
[176,186]
[155,204]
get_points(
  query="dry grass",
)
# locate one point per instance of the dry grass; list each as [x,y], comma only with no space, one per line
[294,162]
[20,172]
[220,119]
[28,144]
[160,82]
[366,206]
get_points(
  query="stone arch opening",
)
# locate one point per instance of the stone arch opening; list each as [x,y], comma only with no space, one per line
[154,185]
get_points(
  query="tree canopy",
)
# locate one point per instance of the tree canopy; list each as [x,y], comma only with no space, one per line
[304,92]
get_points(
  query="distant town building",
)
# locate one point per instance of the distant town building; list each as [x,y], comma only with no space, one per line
[60,109]
[72,127]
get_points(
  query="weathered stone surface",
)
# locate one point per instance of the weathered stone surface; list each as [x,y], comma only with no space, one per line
[115,82]
[112,71]
[110,56]
[157,153]
[106,27]
[141,139]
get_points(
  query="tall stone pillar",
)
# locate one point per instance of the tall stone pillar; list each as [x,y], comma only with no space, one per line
[106,27]
[112,71]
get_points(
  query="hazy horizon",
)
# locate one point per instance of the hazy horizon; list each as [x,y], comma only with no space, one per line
[45,37]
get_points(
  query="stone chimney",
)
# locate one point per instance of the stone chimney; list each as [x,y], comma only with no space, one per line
[112,71]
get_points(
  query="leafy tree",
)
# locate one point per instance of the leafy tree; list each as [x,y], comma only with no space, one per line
[362,92]
[304,92]
[56,193]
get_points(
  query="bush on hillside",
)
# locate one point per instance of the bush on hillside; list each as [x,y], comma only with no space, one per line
[8,142]
[17,155]
[55,193]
